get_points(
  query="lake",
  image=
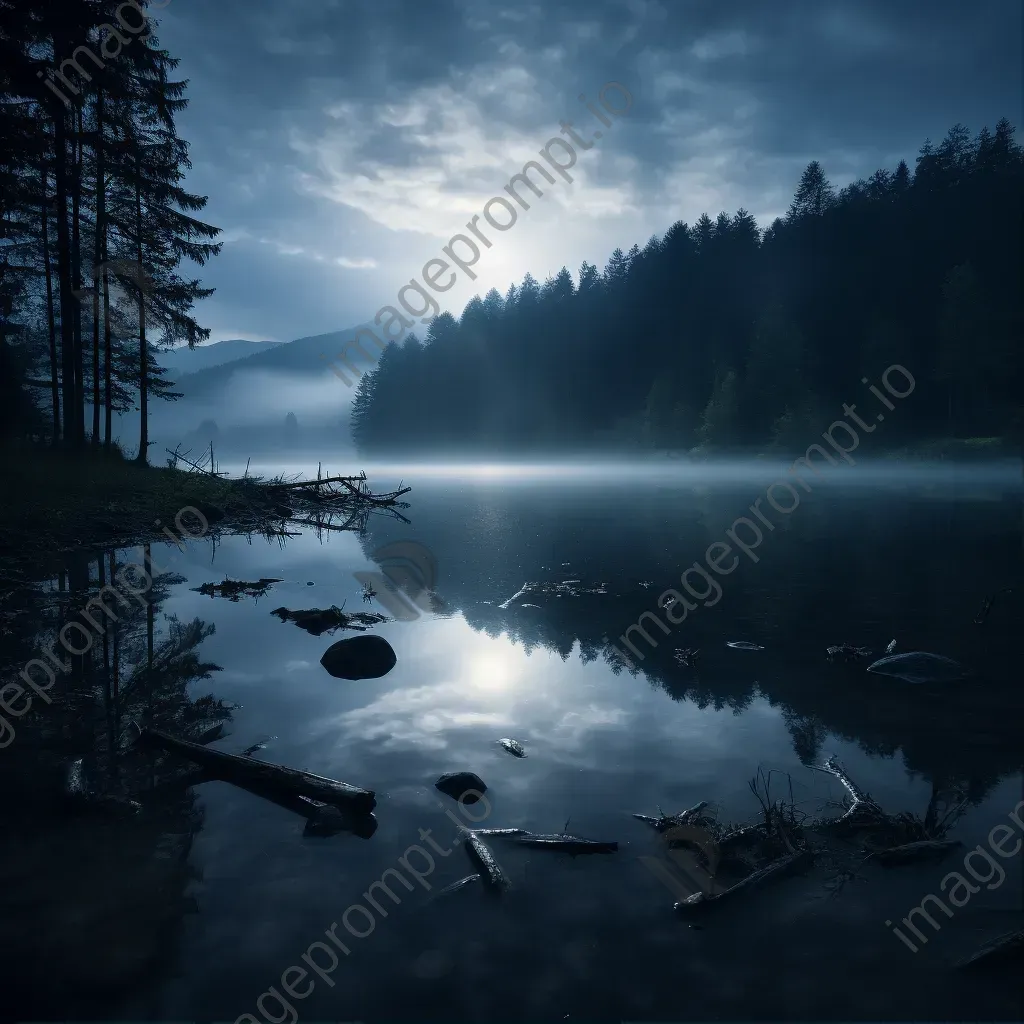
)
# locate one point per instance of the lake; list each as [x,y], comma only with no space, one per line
[195,909]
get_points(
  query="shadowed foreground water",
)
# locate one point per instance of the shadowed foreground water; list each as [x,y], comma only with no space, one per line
[96,927]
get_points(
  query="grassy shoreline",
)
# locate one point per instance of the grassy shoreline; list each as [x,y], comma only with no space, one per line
[57,502]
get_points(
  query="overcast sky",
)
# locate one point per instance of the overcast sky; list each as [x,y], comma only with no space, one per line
[343,142]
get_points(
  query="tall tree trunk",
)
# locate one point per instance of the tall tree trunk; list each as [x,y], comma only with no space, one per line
[67,343]
[143,348]
[50,322]
[101,228]
[76,271]
[108,397]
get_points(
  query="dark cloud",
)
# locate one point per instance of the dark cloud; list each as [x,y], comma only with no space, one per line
[339,140]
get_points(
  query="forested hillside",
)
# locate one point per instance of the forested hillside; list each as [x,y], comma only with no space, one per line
[727,335]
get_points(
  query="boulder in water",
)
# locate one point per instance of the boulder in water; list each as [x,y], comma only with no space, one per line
[920,667]
[361,657]
[465,786]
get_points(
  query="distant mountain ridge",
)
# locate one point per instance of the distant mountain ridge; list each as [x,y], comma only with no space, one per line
[185,360]
[304,356]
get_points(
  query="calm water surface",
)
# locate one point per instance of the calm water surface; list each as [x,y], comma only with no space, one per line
[99,926]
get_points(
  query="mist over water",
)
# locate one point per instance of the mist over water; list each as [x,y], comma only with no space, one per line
[997,476]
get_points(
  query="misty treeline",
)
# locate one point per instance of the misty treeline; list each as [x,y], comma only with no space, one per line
[94,221]
[724,334]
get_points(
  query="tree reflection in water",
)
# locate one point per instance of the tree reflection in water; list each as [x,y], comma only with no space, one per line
[99,897]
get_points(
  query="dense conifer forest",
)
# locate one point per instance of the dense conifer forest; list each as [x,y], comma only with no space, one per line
[95,223]
[726,335]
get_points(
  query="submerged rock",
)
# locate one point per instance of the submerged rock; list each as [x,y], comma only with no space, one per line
[920,667]
[514,747]
[361,657]
[464,786]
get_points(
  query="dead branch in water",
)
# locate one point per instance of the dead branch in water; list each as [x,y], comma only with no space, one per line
[861,807]
[247,771]
[666,821]
[779,868]
[323,481]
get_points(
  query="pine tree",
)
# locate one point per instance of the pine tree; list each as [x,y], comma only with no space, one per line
[814,194]
[82,173]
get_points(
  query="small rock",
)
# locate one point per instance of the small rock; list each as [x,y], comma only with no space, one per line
[360,657]
[464,786]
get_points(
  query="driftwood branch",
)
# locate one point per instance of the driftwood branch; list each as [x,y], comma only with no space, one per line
[666,821]
[315,483]
[862,805]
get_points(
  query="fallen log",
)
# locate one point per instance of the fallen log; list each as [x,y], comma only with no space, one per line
[779,868]
[248,771]
[322,819]
[479,852]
